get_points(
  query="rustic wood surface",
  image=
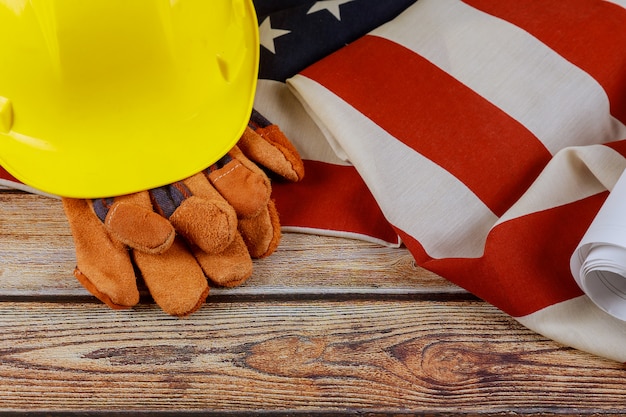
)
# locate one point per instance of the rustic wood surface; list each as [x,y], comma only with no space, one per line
[325,326]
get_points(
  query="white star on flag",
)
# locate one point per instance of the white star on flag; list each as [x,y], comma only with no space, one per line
[267,35]
[330,5]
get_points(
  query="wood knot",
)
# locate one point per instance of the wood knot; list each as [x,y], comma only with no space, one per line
[465,362]
[293,356]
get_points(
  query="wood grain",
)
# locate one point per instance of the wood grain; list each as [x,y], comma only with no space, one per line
[325,326]
[324,356]
[35,237]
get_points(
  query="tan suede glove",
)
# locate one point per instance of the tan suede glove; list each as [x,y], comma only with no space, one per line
[209,225]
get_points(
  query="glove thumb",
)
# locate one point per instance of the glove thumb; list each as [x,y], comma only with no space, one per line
[265,144]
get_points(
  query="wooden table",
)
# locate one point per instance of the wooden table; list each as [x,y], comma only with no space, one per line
[325,326]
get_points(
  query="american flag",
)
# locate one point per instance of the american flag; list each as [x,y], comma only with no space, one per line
[489,133]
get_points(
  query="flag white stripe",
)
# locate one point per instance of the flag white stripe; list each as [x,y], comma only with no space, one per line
[414,205]
[19,186]
[274,101]
[618,2]
[342,234]
[573,174]
[554,99]
[579,323]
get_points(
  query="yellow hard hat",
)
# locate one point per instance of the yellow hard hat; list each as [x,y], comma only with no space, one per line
[106,97]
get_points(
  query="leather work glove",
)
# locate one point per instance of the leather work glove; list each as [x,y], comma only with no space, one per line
[207,226]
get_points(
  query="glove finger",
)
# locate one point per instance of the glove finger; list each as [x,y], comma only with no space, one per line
[131,220]
[225,262]
[205,219]
[261,233]
[174,279]
[104,266]
[242,183]
[265,144]
[246,187]
[229,268]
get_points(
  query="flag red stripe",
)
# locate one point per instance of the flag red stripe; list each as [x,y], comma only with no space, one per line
[331,197]
[618,146]
[437,116]
[526,263]
[597,50]
[4,175]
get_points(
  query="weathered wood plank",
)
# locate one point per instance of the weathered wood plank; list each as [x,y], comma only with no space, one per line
[37,259]
[402,340]
[390,356]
